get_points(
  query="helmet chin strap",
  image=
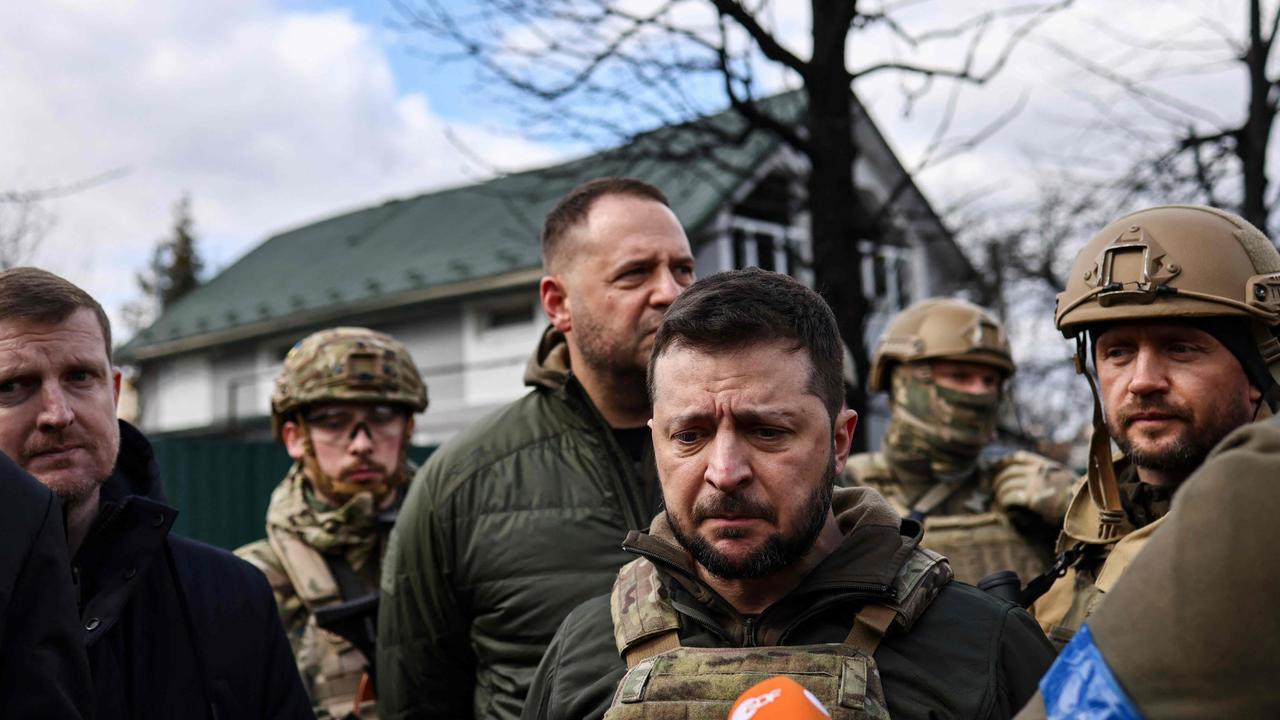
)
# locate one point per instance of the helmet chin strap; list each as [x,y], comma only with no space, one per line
[1104,491]
[1269,349]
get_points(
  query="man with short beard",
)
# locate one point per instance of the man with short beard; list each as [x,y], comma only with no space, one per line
[757,567]
[173,628]
[343,407]
[1177,304]
[514,522]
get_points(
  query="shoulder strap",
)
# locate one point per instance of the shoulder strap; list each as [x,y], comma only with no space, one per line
[655,645]
[932,499]
[350,584]
[1040,584]
[917,583]
[869,627]
[644,621]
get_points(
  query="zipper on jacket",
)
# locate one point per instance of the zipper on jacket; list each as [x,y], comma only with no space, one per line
[826,606]
[626,479]
[749,625]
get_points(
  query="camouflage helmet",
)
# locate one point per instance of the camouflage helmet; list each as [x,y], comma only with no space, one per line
[940,329]
[1174,261]
[346,364]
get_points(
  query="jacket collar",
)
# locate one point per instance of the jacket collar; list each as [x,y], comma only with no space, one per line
[128,538]
[549,365]
[877,542]
[136,472]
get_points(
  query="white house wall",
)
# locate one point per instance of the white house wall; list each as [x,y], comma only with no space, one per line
[470,366]
[494,355]
[181,395]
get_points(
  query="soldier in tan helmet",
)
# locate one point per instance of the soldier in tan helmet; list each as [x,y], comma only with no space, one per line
[1176,306]
[343,406]
[944,362]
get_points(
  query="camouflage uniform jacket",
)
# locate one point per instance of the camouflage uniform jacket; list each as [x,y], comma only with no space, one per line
[1005,517]
[507,527]
[967,655]
[1192,630]
[1074,596]
[303,537]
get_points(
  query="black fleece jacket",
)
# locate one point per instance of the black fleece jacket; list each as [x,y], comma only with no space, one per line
[43,669]
[175,628]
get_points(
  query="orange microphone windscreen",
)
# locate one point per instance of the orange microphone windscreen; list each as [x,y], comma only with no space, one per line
[778,698]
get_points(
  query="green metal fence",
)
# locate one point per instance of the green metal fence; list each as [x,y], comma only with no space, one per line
[221,487]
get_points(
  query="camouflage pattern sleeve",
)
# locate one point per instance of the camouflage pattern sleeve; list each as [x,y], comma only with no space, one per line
[1036,483]
[293,614]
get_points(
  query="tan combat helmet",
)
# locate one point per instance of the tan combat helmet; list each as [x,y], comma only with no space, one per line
[346,364]
[1170,262]
[938,329]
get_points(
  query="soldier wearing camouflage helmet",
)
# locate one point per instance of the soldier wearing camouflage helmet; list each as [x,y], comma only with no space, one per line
[1177,307]
[343,406]
[945,361]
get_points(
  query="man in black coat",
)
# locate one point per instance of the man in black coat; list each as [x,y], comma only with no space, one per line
[43,668]
[173,628]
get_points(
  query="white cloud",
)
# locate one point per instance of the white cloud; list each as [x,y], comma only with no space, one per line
[268,118]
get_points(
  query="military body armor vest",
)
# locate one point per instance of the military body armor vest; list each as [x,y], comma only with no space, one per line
[976,543]
[337,665]
[665,680]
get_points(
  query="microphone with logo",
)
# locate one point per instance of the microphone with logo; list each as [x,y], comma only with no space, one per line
[778,698]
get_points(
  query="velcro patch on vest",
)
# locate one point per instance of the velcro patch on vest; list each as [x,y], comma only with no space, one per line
[697,683]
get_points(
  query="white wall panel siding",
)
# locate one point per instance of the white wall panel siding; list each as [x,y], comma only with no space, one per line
[182,396]
[498,336]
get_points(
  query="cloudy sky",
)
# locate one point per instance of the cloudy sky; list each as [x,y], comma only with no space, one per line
[274,113]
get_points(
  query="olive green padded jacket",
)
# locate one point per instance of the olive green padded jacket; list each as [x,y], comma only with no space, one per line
[506,529]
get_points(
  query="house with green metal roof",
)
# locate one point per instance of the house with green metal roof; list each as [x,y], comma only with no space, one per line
[453,274]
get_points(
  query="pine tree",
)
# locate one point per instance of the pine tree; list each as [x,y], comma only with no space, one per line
[174,270]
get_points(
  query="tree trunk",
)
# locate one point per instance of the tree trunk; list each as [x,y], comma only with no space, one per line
[834,212]
[1251,145]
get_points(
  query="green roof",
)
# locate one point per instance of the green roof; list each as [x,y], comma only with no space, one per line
[403,250]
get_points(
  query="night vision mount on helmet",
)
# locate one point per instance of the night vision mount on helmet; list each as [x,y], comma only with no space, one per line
[1174,262]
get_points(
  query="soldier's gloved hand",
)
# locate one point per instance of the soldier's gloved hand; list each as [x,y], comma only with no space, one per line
[1033,482]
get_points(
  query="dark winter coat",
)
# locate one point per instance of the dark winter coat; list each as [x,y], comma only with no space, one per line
[175,628]
[968,655]
[43,669]
[506,528]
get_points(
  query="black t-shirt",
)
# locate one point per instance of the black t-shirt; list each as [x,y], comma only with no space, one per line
[633,442]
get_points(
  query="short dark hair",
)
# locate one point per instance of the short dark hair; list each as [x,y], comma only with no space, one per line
[573,208]
[734,309]
[28,293]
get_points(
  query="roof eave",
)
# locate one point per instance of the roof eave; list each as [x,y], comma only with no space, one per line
[328,313]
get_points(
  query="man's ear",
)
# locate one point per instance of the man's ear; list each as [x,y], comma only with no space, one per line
[408,433]
[555,302]
[842,437]
[115,386]
[293,441]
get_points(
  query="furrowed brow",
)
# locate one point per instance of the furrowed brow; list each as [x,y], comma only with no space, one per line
[767,416]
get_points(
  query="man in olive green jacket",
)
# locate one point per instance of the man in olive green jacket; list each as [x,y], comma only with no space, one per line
[520,518]
[1192,630]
